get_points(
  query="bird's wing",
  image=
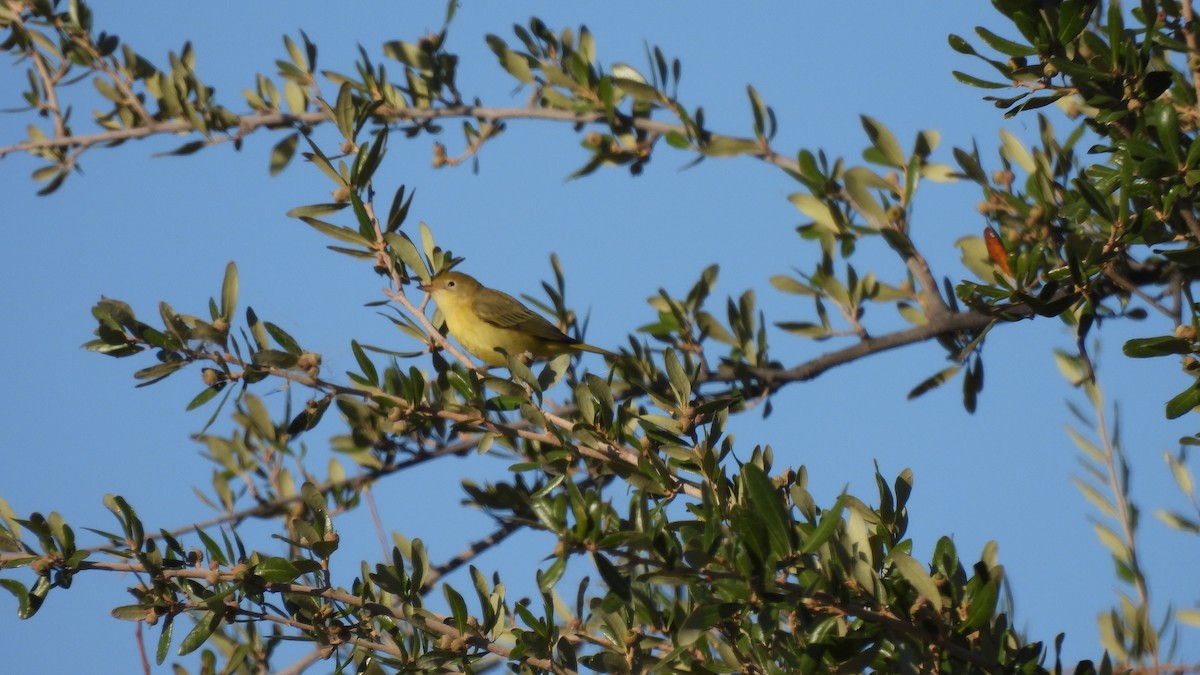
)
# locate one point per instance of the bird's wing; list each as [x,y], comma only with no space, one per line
[503,310]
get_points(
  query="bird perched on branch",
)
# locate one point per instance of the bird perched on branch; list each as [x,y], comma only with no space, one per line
[490,324]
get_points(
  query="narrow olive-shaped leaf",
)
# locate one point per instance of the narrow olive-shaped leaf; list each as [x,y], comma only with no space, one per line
[158,371]
[981,609]
[768,503]
[546,580]
[364,363]
[277,569]
[816,209]
[960,45]
[702,618]
[274,358]
[1183,402]
[315,210]
[884,141]
[458,607]
[229,292]
[1095,497]
[204,627]
[978,82]
[830,520]
[282,338]
[282,153]
[1141,348]
[617,582]
[1016,152]
[681,386]
[164,639]
[859,182]
[934,381]
[22,594]
[1183,478]
[204,396]
[409,54]
[915,573]
[1004,45]
[340,233]
[407,252]
[728,146]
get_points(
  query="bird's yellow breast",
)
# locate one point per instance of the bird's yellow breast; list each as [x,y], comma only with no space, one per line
[483,338]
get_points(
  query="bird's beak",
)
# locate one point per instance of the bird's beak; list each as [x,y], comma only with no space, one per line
[428,288]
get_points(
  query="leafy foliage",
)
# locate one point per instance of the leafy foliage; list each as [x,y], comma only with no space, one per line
[708,562]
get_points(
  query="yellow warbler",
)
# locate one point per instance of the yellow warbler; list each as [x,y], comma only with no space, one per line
[490,324]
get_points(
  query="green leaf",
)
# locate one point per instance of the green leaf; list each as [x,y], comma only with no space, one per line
[1016,152]
[1003,45]
[1095,497]
[767,502]
[884,141]
[978,82]
[816,209]
[1112,541]
[934,381]
[728,146]
[681,386]
[1183,402]
[25,608]
[277,570]
[1142,348]
[981,609]
[960,45]
[830,520]
[229,292]
[409,54]
[975,258]
[282,338]
[340,233]
[164,640]
[915,573]
[364,363]
[205,396]
[617,582]
[315,210]
[407,252]
[204,627]
[1190,617]
[157,372]
[702,618]
[282,153]
[859,182]
[274,358]
[458,607]
[1183,478]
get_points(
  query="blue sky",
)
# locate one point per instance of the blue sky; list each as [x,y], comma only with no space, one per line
[146,229]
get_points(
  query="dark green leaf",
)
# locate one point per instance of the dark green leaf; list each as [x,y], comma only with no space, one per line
[767,503]
[1183,402]
[364,363]
[830,520]
[205,626]
[277,570]
[281,156]
[1141,348]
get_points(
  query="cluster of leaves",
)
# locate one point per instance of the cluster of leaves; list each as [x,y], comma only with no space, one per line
[1078,232]
[714,564]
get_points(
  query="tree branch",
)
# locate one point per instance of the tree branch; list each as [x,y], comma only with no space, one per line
[253,121]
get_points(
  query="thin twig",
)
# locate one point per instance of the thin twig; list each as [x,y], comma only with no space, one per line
[1118,486]
[1189,36]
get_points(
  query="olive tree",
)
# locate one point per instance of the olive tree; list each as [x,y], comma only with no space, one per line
[701,555]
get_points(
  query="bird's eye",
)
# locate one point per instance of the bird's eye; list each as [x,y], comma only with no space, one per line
[449,284]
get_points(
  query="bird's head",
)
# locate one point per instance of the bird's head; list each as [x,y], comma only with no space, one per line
[451,286]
